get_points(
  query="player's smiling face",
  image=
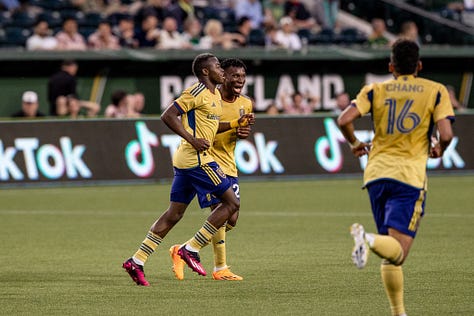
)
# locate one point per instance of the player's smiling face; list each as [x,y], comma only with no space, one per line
[234,79]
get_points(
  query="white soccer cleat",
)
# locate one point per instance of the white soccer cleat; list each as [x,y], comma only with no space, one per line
[360,252]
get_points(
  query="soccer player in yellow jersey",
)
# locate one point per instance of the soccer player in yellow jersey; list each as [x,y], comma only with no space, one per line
[404,112]
[194,116]
[234,105]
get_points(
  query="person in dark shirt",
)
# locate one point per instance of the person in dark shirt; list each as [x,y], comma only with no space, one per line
[29,106]
[60,85]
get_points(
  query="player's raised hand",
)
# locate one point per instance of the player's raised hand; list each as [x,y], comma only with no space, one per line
[247,119]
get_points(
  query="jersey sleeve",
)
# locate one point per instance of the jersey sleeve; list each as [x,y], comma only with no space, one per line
[443,107]
[364,99]
[185,102]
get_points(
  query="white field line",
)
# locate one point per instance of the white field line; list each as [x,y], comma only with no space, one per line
[192,212]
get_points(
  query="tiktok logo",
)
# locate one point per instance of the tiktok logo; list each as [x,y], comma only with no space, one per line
[327,149]
[138,152]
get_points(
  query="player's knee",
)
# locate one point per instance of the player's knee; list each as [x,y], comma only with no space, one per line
[234,206]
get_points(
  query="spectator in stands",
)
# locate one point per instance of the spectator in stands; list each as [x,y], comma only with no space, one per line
[79,108]
[342,102]
[122,106]
[125,31]
[103,38]
[181,10]
[273,10]
[298,104]
[378,37]
[272,109]
[138,100]
[286,37]
[69,38]
[270,36]
[252,9]
[42,38]
[29,106]
[60,85]
[215,37]
[149,33]
[170,38]
[330,10]
[244,27]
[192,31]
[300,15]
[409,31]
[151,7]
[9,5]
[98,6]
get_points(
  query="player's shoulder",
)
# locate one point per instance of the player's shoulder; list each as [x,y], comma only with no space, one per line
[195,89]
[245,99]
[428,82]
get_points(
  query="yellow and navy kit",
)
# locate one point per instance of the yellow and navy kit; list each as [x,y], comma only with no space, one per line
[200,113]
[224,144]
[403,111]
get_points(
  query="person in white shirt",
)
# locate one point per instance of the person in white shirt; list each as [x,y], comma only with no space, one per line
[286,37]
[42,38]
[170,38]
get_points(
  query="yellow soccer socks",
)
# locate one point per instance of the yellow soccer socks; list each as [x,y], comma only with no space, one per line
[385,247]
[202,237]
[392,278]
[218,242]
[147,247]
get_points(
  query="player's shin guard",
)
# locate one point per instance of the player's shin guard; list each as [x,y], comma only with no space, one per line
[385,247]
[392,278]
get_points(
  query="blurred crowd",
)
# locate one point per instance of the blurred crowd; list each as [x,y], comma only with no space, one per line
[183,24]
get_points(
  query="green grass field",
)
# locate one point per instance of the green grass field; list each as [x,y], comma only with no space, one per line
[62,250]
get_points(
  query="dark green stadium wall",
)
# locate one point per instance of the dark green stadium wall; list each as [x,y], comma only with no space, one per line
[322,71]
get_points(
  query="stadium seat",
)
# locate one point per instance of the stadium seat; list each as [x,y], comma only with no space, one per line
[54,5]
[5,19]
[16,36]
[53,18]
[325,36]
[257,37]
[86,31]
[23,19]
[351,36]
[304,33]
[91,19]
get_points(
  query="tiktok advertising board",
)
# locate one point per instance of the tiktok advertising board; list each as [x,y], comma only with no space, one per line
[102,151]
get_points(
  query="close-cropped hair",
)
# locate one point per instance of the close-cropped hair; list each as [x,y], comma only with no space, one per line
[233,62]
[405,56]
[200,62]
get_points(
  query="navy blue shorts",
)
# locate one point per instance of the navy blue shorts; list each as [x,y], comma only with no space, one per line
[208,199]
[207,178]
[396,205]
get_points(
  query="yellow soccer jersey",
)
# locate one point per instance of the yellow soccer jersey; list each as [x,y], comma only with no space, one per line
[403,112]
[201,110]
[224,143]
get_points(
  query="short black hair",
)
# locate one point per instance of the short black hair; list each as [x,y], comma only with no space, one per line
[117,96]
[405,56]
[200,62]
[68,62]
[233,62]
